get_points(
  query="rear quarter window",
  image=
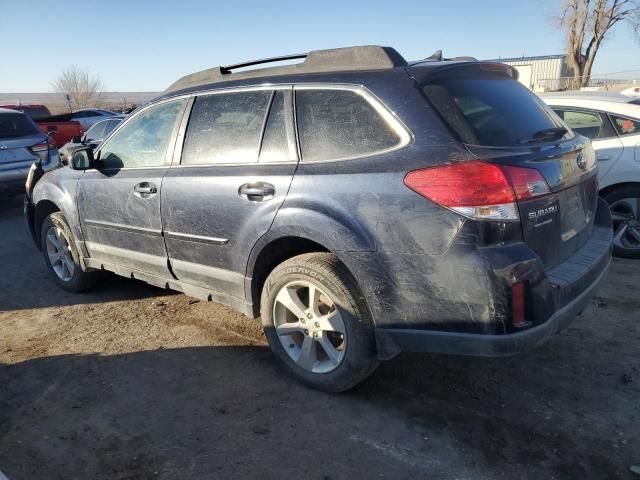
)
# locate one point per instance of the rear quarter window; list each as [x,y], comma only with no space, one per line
[625,126]
[489,110]
[337,124]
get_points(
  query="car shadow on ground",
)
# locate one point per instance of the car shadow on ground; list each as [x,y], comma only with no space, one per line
[26,282]
[232,412]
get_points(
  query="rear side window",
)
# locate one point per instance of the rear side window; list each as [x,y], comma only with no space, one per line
[225,128]
[275,146]
[593,125]
[14,125]
[489,110]
[335,124]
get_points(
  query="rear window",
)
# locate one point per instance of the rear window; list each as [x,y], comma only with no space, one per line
[491,110]
[16,125]
[34,112]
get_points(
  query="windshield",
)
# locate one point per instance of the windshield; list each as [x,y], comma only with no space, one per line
[492,110]
[13,125]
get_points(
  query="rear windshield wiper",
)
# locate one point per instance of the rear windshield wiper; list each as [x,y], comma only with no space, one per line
[546,134]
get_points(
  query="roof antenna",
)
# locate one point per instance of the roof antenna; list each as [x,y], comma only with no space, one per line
[436,56]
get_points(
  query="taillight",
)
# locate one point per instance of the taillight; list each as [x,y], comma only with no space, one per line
[527,182]
[43,146]
[478,189]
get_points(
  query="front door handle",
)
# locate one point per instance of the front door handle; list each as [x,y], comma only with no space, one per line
[145,189]
[257,191]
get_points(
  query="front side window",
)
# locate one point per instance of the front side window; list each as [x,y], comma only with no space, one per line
[592,125]
[225,128]
[96,132]
[625,126]
[111,125]
[144,140]
[336,124]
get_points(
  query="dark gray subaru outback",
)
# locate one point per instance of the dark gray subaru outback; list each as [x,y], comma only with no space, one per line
[360,204]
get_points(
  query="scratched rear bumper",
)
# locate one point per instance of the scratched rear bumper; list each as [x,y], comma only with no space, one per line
[408,340]
[558,295]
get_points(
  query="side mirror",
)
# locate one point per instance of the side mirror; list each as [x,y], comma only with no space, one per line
[82,159]
[77,139]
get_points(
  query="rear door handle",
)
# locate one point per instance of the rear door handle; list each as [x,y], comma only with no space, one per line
[145,189]
[602,158]
[257,191]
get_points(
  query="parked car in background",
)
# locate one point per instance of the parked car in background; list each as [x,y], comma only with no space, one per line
[22,145]
[60,128]
[359,204]
[89,116]
[612,122]
[35,111]
[631,92]
[93,137]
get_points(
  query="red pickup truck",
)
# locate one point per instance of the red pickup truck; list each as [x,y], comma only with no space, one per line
[59,127]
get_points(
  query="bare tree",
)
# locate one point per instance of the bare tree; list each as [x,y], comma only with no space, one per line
[587,23]
[85,90]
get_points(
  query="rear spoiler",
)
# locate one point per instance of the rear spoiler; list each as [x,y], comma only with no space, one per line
[426,71]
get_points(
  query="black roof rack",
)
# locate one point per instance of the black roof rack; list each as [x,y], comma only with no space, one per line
[368,57]
[295,56]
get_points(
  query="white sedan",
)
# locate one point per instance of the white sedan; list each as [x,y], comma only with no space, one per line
[612,122]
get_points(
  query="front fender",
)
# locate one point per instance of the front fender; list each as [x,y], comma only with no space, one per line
[59,187]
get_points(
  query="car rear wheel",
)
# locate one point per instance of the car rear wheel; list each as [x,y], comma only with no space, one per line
[624,203]
[61,255]
[317,323]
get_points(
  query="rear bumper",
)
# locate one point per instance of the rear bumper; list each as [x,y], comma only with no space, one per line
[557,296]
[489,345]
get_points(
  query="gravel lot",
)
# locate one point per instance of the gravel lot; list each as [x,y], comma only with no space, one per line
[132,382]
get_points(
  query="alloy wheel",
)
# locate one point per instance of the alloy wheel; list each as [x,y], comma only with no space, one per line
[59,253]
[625,214]
[310,327]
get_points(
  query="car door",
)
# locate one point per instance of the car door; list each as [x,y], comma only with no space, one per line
[119,202]
[237,161]
[597,127]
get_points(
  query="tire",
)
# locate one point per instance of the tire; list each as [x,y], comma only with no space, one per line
[624,203]
[329,344]
[56,238]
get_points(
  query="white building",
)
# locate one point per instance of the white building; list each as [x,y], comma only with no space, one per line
[546,73]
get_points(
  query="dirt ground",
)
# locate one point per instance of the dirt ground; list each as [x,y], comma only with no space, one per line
[131,382]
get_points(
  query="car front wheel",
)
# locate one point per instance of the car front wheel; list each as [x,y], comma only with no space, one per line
[61,255]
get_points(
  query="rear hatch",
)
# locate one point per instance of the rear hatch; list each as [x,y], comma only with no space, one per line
[21,144]
[502,122]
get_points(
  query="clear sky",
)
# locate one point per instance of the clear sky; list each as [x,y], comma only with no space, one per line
[137,45]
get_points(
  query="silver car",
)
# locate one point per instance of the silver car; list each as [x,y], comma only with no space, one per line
[89,116]
[22,145]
